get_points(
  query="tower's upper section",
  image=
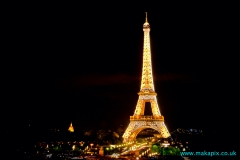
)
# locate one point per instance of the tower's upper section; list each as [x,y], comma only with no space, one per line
[147,86]
[146,25]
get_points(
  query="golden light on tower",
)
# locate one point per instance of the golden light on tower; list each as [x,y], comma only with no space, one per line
[71,129]
[147,93]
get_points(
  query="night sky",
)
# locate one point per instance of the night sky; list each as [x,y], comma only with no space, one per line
[85,68]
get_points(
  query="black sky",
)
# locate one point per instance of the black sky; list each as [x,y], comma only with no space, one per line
[86,68]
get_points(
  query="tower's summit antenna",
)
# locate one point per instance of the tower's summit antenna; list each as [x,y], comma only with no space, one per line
[146,16]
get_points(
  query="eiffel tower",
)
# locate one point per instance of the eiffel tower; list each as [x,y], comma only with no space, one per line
[139,121]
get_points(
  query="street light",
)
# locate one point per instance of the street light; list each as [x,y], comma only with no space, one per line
[107,150]
[91,145]
[73,147]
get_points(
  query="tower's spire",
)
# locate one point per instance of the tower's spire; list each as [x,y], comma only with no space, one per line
[146,17]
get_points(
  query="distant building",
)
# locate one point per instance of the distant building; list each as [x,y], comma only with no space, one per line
[71,129]
[101,151]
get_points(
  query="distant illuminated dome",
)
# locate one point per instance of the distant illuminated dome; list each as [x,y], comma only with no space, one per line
[71,129]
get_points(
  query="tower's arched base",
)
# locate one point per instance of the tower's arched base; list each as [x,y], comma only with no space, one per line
[137,126]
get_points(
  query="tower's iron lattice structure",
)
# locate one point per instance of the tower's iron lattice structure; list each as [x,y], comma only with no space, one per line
[139,121]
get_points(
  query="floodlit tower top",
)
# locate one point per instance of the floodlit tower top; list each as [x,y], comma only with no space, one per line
[147,77]
[146,25]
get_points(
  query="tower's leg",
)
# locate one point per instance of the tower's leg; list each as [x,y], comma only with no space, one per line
[128,132]
[140,107]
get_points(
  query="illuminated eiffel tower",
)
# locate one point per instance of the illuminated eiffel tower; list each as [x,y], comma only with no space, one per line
[139,121]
